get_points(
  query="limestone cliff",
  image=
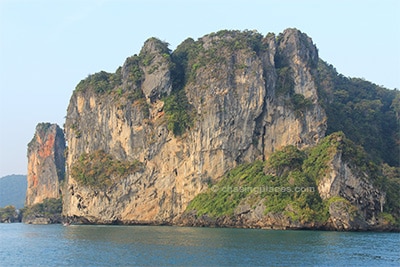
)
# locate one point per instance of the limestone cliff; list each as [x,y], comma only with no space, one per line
[246,96]
[46,163]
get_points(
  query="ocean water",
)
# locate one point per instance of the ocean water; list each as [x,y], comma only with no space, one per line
[88,245]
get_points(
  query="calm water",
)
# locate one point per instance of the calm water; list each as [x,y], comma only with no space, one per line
[55,245]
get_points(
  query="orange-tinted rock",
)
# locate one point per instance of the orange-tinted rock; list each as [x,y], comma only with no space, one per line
[46,163]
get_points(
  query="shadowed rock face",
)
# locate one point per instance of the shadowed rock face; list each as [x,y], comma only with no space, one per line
[240,97]
[46,163]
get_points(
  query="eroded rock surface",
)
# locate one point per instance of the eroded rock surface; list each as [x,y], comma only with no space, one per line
[46,163]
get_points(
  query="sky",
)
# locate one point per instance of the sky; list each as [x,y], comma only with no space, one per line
[47,46]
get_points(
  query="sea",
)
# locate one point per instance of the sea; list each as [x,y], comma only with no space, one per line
[97,245]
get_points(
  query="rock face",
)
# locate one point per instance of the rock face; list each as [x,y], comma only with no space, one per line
[240,87]
[340,194]
[46,163]
[360,202]
[301,123]
[157,79]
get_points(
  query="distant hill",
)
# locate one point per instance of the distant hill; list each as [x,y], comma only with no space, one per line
[13,190]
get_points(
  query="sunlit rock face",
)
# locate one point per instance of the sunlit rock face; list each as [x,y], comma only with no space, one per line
[46,163]
[239,86]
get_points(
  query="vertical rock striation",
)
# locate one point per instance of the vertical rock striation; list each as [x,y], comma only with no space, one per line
[248,95]
[46,163]
[293,115]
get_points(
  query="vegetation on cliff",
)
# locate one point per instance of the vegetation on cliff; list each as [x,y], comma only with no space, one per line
[190,56]
[101,82]
[100,170]
[287,183]
[179,112]
[292,192]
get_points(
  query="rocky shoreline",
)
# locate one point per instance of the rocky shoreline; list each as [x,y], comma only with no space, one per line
[278,222]
[242,221]
[272,222]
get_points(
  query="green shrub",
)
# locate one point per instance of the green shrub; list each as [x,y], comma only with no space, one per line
[300,103]
[135,73]
[287,158]
[100,170]
[49,207]
[249,183]
[387,217]
[101,82]
[285,82]
[316,163]
[222,198]
[179,112]
[8,214]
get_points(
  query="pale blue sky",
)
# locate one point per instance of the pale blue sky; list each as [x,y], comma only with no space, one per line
[47,47]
